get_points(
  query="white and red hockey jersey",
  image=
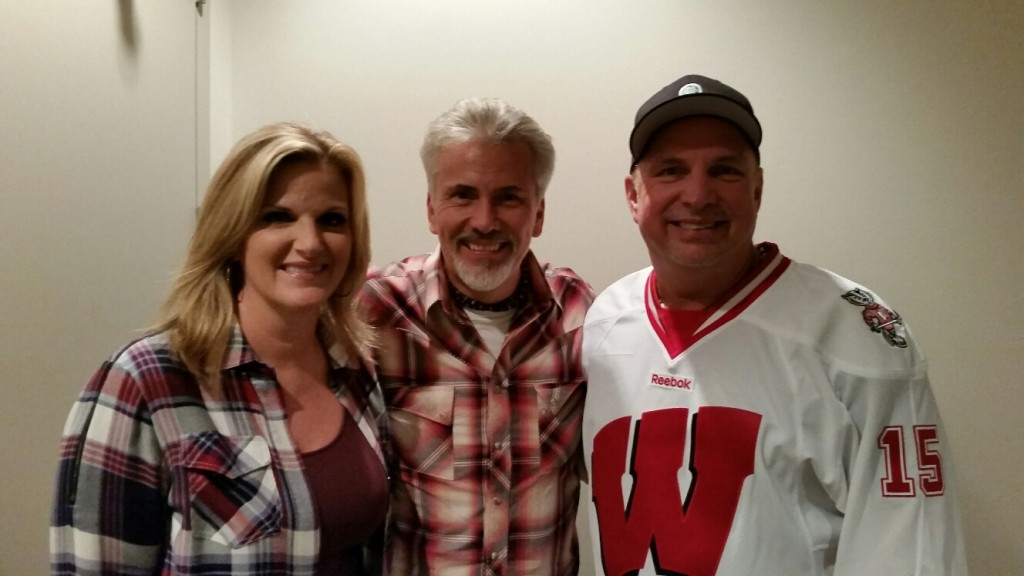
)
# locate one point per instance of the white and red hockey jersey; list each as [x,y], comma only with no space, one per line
[791,432]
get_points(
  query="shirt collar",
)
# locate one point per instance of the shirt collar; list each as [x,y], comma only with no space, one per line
[240,353]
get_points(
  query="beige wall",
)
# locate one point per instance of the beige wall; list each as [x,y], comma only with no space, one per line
[893,146]
[97,193]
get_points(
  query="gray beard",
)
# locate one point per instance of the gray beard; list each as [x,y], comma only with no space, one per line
[481,279]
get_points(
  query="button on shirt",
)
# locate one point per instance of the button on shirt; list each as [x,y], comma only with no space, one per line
[488,445]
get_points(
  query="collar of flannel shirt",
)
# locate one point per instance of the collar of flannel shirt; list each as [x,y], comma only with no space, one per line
[239,353]
[367,397]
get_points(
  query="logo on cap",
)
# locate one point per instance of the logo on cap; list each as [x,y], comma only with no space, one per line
[691,88]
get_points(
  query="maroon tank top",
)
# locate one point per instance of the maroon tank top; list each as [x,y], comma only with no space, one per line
[350,489]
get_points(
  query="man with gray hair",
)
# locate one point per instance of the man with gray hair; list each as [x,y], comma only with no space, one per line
[479,359]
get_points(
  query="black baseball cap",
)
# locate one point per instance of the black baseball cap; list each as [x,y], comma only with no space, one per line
[693,95]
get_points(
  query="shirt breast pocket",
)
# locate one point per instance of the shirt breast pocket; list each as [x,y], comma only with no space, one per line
[559,417]
[233,493]
[421,426]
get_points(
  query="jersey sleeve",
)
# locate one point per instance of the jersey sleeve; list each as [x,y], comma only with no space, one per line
[109,515]
[900,511]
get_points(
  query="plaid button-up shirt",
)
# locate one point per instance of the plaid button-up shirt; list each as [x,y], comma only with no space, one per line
[157,477]
[488,445]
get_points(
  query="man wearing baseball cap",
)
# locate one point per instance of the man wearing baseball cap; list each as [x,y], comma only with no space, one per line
[746,413]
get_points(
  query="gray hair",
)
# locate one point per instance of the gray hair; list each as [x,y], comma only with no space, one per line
[490,119]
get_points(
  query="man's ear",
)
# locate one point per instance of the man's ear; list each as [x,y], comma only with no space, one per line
[430,213]
[758,187]
[538,224]
[632,195]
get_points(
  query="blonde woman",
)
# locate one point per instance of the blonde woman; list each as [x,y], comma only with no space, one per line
[246,434]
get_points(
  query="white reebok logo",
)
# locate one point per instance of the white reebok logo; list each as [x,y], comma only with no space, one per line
[663,381]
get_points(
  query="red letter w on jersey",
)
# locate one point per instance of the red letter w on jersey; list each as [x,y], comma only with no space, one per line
[684,538]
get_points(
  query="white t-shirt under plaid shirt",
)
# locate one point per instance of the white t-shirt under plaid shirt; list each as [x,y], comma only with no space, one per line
[488,445]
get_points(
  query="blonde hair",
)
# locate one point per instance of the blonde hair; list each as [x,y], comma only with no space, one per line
[199,312]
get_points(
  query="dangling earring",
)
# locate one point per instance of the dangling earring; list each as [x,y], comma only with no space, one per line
[233,274]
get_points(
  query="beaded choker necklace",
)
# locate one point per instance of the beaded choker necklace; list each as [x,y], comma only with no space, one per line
[513,302]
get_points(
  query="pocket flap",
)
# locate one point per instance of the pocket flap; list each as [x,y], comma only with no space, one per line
[230,456]
[431,402]
[551,397]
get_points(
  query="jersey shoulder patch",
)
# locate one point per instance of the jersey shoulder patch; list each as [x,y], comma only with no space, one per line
[878,318]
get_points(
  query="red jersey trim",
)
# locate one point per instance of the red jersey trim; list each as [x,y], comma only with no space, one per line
[674,336]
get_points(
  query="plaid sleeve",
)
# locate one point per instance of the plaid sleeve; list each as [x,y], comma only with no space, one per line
[109,514]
